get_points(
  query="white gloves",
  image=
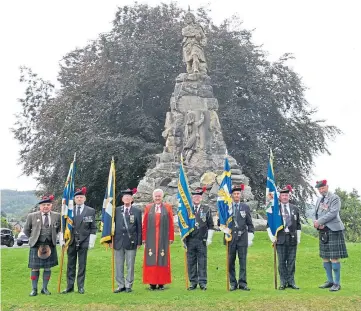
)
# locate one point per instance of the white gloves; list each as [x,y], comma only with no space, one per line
[61,239]
[210,236]
[226,230]
[298,236]
[271,236]
[250,238]
[92,241]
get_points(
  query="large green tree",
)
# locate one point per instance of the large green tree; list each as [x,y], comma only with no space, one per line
[115,92]
[350,214]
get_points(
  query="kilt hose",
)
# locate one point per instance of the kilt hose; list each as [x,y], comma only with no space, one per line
[36,263]
[335,246]
[286,254]
[197,261]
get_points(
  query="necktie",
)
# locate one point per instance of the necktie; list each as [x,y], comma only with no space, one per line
[46,220]
[236,208]
[78,211]
[126,211]
[287,216]
[158,209]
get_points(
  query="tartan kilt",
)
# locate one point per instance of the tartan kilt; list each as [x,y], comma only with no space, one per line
[36,263]
[335,247]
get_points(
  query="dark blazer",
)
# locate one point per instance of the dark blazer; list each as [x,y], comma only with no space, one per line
[33,226]
[85,227]
[296,225]
[204,220]
[245,225]
[134,221]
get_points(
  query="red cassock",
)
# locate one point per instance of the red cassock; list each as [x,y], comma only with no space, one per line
[157,274]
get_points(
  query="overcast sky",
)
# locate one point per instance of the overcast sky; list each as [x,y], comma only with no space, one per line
[323,35]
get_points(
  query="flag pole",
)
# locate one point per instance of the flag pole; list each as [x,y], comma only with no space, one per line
[61,267]
[275,263]
[186,267]
[112,233]
[227,265]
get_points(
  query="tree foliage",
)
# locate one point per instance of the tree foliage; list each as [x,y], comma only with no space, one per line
[350,214]
[115,92]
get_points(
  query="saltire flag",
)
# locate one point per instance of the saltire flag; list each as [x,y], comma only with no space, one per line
[224,201]
[67,204]
[186,217]
[272,207]
[108,210]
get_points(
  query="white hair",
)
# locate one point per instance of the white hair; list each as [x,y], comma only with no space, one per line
[158,190]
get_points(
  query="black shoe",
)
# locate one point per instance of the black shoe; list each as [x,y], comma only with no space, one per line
[68,290]
[119,290]
[326,285]
[45,291]
[335,288]
[203,287]
[81,290]
[293,286]
[192,287]
[34,292]
[161,287]
[233,287]
[244,287]
[128,290]
[282,287]
[152,287]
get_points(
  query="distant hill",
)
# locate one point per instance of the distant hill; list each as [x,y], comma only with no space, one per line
[17,204]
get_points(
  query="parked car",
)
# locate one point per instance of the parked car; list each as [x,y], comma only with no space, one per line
[22,239]
[7,237]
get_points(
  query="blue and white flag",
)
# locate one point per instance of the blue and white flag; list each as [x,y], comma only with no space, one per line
[67,204]
[108,210]
[272,207]
[224,201]
[186,217]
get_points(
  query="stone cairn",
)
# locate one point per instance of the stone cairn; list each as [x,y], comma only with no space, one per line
[192,129]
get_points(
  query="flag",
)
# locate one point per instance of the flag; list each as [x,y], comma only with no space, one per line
[107,224]
[272,207]
[67,204]
[224,200]
[186,218]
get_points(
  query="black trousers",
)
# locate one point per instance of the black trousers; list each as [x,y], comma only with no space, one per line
[287,261]
[197,261]
[75,254]
[235,249]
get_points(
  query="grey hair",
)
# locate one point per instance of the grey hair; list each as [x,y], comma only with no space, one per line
[158,190]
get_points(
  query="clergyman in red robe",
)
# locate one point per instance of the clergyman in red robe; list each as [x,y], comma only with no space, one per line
[158,234]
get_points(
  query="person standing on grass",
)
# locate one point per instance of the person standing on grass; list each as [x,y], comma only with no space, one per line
[197,242]
[82,238]
[158,234]
[127,240]
[242,237]
[332,240]
[287,240]
[42,228]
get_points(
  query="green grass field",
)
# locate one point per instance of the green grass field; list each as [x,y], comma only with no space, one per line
[16,284]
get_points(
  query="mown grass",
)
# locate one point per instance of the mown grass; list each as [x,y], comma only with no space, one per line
[16,285]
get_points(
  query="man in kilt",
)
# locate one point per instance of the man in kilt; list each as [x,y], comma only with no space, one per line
[242,237]
[42,228]
[287,240]
[198,240]
[332,241]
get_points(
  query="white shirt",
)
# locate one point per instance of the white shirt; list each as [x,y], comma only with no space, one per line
[43,218]
[127,208]
[76,209]
[157,208]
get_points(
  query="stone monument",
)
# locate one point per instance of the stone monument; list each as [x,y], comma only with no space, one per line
[192,128]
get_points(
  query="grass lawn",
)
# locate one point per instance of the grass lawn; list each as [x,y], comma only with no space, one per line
[16,284]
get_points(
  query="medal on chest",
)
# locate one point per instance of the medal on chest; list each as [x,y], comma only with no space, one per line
[131,219]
